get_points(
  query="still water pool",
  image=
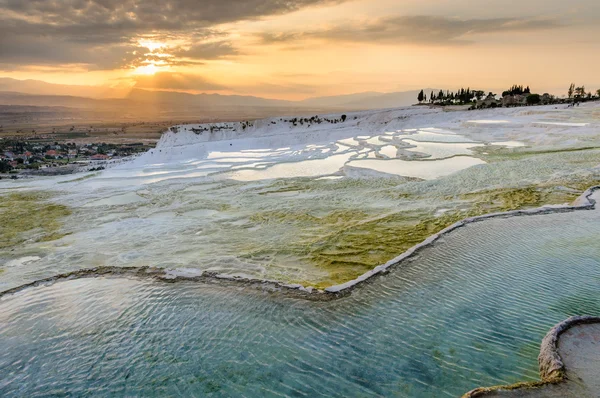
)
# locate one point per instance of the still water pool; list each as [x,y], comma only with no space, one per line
[468,312]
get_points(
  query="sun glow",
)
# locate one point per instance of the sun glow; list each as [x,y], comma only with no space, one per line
[149,69]
[151,45]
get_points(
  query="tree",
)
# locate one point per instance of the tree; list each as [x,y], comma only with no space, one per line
[421,96]
[533,99]
[516,90]
[5,167]
[344,118]
[580,92]
[571,90]
[598,92]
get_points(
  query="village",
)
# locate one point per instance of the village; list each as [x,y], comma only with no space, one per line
[22,156]
[19,158]
[517,95]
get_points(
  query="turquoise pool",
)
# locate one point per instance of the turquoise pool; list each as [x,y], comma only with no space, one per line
[468,312]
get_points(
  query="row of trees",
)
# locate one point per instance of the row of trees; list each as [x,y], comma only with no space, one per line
[314,120]
[462,96]
[468,96]
[517,90]
[580,93]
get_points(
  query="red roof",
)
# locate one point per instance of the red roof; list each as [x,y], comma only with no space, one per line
[51,152]
[99,157]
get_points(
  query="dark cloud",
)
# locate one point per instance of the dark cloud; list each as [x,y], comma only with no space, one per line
[175,81]
[23,49]
[414,29]
[150,14]
[210,50]
[73,31]
[103,34]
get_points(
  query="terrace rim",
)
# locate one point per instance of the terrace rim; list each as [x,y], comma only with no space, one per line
[552,368]
[584,202]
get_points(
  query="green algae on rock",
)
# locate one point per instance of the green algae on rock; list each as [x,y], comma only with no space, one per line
[499,153]
[347,244]
[85,177]
[30,216]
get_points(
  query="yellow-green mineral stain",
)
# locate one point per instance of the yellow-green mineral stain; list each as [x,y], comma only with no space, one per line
[25,216]
[349,253]
[347,244]
[86,177]
[495,153]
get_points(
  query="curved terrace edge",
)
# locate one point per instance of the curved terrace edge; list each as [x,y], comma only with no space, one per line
[584,202]
[552,367]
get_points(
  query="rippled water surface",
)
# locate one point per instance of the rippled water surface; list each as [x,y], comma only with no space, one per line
[470,311]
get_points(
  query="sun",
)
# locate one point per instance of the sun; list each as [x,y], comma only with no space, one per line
[151,44]
[149,69]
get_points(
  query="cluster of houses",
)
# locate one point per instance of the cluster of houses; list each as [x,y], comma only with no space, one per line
[25,155]
[516,100]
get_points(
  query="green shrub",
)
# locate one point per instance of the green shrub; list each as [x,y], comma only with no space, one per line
[533,99]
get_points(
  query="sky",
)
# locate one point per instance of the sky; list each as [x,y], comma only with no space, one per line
[295,49]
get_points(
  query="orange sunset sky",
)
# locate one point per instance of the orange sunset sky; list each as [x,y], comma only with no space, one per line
[294,49]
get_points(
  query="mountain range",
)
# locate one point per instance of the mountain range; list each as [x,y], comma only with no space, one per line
[39,93]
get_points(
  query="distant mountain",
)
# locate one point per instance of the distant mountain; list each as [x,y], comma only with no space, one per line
[207,100]
[370,100]
[38,87]
[340,100]
[12,98]
[359,101]
[390,100]
[39,93]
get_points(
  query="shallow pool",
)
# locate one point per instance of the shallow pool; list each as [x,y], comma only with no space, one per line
[469,311]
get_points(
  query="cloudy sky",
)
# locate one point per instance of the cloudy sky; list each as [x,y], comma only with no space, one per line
[293,49]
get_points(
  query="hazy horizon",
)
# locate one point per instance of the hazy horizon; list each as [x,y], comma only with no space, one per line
[301,49]
[32,86]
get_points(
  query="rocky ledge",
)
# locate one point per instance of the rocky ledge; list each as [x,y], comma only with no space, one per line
[584,202]
[569,364]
